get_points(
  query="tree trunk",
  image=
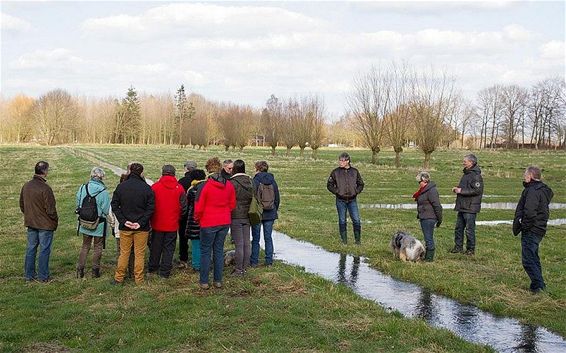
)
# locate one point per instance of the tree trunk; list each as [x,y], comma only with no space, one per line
[315,153]
[426,164]
[288,152]
[397,159]
[302,151]
[374,157]
[273,150]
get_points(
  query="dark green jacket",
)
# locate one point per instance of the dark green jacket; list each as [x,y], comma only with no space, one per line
[469,199]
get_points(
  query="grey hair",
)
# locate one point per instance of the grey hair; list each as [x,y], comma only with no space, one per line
[472,158]
[423,176]
[226,162]
[97,173]
[534,171]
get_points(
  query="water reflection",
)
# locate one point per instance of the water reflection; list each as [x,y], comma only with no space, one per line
[484,205]
[472,324]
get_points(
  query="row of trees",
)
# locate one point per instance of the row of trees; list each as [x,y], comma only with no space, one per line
[394,105]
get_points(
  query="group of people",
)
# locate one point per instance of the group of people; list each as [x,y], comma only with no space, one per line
[531,214]
[203,207]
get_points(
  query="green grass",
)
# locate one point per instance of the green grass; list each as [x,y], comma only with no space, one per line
[281,308]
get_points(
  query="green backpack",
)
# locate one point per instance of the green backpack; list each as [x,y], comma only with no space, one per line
[256,210]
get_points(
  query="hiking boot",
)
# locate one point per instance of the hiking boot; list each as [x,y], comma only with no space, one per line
[203,286]
[470,252]
[96,272]
[237,273]
[217,284]
[182,265]
[456,250]
[116,283]
[80,272]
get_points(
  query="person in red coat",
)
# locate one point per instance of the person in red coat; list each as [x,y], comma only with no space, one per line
[216,198]
[170,206]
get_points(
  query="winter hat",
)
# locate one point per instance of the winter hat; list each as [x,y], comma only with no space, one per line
[168,169]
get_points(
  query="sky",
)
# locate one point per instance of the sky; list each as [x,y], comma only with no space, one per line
[245,51]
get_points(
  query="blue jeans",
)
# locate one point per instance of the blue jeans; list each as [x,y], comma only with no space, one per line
[212,238]
[43,238]
[427,226]
[267,230]
[530,259]
[467,221]
[352,207]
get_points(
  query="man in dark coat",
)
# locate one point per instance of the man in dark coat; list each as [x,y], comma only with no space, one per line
[531,217]
[468,204]
[346,183]
[133,203]
[37,203]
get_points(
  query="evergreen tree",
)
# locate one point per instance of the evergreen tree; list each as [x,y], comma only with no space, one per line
[185,112]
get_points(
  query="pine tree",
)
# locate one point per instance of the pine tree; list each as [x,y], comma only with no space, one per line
[185,112]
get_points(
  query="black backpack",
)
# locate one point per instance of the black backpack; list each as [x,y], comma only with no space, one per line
[88,211]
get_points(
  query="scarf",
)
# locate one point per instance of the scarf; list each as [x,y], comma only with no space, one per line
[419,191]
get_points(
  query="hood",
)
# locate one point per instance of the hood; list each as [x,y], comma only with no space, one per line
[217,180]
[475,169]
[265,178]
[429,186]
[95,185]
[539,185]
[195,182]
[168,181]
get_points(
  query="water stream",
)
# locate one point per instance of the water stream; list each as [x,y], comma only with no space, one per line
[505,335]
[472,324]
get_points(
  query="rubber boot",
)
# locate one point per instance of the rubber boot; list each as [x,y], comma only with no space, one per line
[358,234]
[429,255]
[96,272]
[343,233]
[80,272]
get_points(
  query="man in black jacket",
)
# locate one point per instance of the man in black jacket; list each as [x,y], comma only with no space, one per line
[468,204]
[133,203]
[346,183]
[531,217]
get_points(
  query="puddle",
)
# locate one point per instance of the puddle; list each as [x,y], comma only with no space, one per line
[472,324]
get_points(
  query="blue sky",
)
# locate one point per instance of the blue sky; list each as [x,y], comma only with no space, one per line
[245,51]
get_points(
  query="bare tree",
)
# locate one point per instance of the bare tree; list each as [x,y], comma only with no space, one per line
[291,113]
[315,113]
[369,103]
[433,102]
[55,114]
[271,122]
[19,124]
[513,102]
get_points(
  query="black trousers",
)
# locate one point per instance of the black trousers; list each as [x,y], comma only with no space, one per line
[161,252]
[183,241]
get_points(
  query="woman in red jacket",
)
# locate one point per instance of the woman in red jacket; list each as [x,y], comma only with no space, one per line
[215,201]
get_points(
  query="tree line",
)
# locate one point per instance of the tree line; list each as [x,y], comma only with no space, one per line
[390,106]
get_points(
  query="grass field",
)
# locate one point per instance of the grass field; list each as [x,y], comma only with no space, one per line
[280,308]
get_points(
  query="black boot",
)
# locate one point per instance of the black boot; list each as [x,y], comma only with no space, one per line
[457,249]
[358,234]
[80,272]
[95,272]
[343,233]
[429,255]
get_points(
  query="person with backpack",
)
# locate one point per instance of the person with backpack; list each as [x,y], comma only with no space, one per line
[214,204]
[240,226]
[192,230]
[170,206]
[133,203]
[346,183]
[267,193]
[93,203]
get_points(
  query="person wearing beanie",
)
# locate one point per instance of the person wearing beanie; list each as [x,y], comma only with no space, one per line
[170,206]
[133,203]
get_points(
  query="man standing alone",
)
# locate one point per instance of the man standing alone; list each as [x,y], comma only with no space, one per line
[37,203]
[468,204]
[133,203]
[346,183]
[531,217]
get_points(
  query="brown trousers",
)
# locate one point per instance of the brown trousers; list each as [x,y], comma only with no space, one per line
[137,239]
[87,241]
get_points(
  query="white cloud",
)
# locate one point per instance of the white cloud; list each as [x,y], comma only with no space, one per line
[553,50]
[11,23]
[432,8]
[201,20]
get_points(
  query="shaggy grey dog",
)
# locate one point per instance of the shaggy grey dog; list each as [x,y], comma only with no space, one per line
[406,247]
[230,258]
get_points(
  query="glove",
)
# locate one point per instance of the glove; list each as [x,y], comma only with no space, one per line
[516,227]
[438,224]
